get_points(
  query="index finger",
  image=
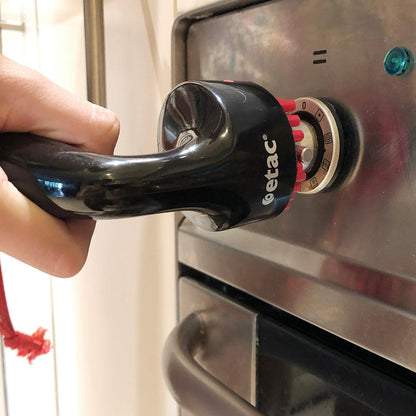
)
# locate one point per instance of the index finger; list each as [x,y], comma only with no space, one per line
[32,103]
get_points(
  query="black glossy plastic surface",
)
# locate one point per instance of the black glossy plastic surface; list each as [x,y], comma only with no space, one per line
[218,169]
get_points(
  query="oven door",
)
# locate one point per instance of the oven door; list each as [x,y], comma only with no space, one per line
[232,355]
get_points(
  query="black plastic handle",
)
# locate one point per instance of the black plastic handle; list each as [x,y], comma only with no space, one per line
[214,162]
[68,182]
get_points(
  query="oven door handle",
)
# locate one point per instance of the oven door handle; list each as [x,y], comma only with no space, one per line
[194,389]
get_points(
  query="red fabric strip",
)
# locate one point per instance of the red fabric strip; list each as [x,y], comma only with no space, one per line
[30,346]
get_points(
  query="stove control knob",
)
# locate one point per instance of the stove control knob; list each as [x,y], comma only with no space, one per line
[322,135]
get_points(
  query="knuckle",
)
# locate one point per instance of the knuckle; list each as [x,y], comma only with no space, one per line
[107,128]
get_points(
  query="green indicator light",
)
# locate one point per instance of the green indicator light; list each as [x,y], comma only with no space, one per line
[398,61]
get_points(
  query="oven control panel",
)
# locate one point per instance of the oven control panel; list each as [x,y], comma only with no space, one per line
[359,56]
[343,258]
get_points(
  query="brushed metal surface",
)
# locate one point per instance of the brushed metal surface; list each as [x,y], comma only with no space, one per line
[369,220]
[183,23]
[371,309]
[231,337]
[195,389]
[344,260]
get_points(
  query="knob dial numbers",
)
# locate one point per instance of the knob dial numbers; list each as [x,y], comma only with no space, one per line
[326,146]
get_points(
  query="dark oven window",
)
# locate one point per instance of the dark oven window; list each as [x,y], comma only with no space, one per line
[298,375]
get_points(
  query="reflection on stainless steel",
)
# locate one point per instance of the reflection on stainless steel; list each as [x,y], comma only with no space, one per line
[309,144]
[305,154]
[345,259]
[372,309]
[184,22]
[230,333]
[95,51]
[368,219]
[193,387]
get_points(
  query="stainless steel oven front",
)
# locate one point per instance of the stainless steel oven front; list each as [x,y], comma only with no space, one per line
[320,303]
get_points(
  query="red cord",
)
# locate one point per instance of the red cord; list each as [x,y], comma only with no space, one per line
[30,346]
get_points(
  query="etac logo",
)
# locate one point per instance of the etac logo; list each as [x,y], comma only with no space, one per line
[272,170]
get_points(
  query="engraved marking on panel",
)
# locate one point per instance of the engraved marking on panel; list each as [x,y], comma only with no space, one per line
[327,124]
[317,53]
[325,164]
[328,138]
[320,52]
[319,115]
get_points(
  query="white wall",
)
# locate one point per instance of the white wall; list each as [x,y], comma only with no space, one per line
[185,5]
[123,303]
[110,322]
[28,291]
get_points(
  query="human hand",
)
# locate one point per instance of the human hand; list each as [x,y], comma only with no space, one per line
[31,103]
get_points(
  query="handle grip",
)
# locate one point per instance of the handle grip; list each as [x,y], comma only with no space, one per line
[194,388]
[68,182]
[217,140]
